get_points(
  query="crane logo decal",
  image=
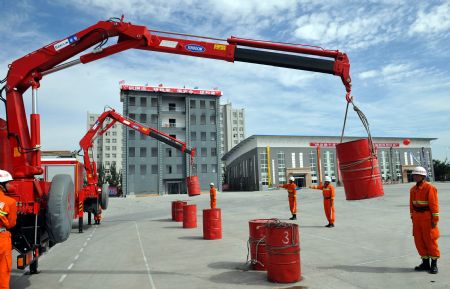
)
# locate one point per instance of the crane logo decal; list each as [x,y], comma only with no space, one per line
[195,48]
[65,42]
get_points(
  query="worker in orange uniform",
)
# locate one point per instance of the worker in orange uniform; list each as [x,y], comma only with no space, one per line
[292,195]
[98,216]
[212,195]
[328,200]
[424,209]
[8,215]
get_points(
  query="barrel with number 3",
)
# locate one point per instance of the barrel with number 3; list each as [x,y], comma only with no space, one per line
[283,252]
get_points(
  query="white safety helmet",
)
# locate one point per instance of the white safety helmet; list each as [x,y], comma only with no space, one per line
[292,179]
[327,179]
[419,171]
[5,176]
[211,184]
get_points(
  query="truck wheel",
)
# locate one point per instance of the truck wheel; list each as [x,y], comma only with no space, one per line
[104,197]
[60,208]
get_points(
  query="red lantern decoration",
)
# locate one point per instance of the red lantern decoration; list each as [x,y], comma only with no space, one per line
[406,141]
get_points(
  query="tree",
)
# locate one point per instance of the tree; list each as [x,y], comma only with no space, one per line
[101,175]
[441,170]
[114,178]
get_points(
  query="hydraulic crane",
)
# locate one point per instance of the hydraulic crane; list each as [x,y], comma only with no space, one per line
[92,198]
[20,147]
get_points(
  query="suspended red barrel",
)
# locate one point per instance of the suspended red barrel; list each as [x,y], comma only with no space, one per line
[193,186]
[179,210]
[359,170]
[190,216]
[283,252]
[257,241]
[173,210]
[406,141]
[212,224]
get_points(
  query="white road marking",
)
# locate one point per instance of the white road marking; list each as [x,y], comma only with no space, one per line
[85,244]
[150,279]
[62,278]
[81,250]
[70,266]
[77,256]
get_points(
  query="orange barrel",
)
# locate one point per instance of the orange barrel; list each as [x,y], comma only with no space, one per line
[257,241]
[283,252]
[212,224]
[193,186]
[179,210]
[190,216]
[173,210]
[359,170]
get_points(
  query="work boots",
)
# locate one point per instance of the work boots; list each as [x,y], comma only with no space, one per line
[425,266]
[434,268]
[294,217]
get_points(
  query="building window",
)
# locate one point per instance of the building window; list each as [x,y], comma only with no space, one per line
[143,152]
[108,140]
[193,119]
[204,168]
[193,136]
[172,107]
[131,152]
[234,114]
[168,169]
[168,152]
[313,166]
[281,168]
[212,119]
[154,118]
[114,148]
[213,168]
[143,118]
[131,134]
[132,101]
[192,103]
[293,160]
[241,115]
[154,169]
[202,104]
[91,118]
[203,136]
[131,169]
[172,122]
[132,116]
[213,136]
[264,169]
[405,155]
[235,122]
[143,136]
[203,119]
[114,140]
[241,136]
[241,129]
[212,104]
[114,155]
[143,169]
[107,155]
[108,148]
[154,102]
[213,152]
[204,152]
[300,158]
[154,152]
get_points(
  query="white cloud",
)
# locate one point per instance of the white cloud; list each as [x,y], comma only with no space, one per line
[436,20]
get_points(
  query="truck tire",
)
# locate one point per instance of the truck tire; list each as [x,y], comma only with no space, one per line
[60,208]
[104,197]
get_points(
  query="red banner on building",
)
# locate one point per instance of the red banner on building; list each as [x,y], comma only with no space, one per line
[171,90]
[333,144]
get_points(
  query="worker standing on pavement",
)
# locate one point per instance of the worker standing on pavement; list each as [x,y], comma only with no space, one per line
[328,192]
[8,216]
[292,195]
[424,209]
[212,195]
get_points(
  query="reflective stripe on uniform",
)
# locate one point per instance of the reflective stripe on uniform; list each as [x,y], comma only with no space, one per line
[3,213]
[435,214]
[420,202]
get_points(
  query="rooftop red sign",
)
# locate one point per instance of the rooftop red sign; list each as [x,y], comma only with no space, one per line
[333,144]
[170,90]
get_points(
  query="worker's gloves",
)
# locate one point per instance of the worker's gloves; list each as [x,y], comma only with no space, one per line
[433,224]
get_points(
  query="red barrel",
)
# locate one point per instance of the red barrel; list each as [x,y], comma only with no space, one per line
[173,210]
[190,216]
[212,224]
[193,186]
[283,252]
[179,210]
[257,243]
[359,170]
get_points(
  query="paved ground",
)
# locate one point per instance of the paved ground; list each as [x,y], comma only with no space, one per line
[138,246]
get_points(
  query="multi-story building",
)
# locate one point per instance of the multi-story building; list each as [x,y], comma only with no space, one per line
[233,127]
[107,149]
[190,115]
[263,161]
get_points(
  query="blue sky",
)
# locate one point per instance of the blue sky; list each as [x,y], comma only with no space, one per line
[398,52]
